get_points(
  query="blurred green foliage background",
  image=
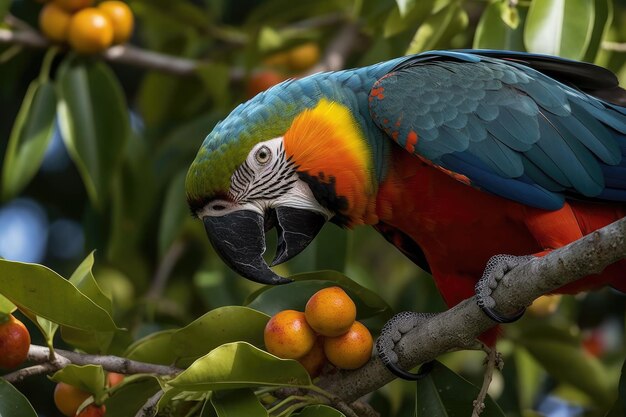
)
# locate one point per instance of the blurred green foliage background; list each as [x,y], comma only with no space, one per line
[152,257]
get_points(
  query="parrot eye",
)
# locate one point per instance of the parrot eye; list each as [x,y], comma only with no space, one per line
[263,155]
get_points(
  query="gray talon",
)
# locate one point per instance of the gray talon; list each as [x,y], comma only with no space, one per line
[391,333]
[495,270]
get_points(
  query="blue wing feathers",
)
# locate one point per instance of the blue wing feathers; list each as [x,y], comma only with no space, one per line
[518,125]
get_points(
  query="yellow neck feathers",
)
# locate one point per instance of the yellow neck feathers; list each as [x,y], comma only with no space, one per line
[326,142]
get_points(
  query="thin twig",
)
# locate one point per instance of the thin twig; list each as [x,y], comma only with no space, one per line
[62,358]
[364,409]
[491,363]
[25,35]
[42,369]
[164,270]
[334,58]
[149,409]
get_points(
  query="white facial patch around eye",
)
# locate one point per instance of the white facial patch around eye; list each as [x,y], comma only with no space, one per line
[266,174]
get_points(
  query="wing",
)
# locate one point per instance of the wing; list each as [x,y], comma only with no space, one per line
[497,121]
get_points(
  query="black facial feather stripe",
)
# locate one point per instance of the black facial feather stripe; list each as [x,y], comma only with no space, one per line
[246,187]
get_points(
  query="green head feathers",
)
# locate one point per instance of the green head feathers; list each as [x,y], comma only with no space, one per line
[266,116]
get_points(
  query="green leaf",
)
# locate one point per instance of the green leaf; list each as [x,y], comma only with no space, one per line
[154,348]
[396,22]
[6,306]
[237,403]
[217,327]
[128,397]
[432,31]
[621,401]
[39,289]
[216,78]
[174,213]
[240,365]
[331,249]
[404,6]
[89,378]
[319,411]
[5,5]
[601,26]
[31,133]
[493,32]
[569,363]
[559,27]
[83,279]
[89,341]
[94,122]
[13,403]
[445,394]
[294,296]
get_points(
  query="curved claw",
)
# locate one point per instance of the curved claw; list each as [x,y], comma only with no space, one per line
[497,267]
[392,332]
[423,372]
[496,316]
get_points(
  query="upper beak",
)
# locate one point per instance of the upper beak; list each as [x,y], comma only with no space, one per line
[239,239]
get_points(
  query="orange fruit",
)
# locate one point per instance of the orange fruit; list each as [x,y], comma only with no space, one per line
[68,398]
[330,311]
[14,342]
[277,60]
[73,5]
[288,335]
[90,31]
[121,18]
[54,22]
[350,350]
[304,56]
[114,378]
[92,410]
[315,360]
[545,305]
[261,81]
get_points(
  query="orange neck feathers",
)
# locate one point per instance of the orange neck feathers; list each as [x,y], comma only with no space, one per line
[327,144]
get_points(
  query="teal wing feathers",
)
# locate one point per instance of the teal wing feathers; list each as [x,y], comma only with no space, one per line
[517,125]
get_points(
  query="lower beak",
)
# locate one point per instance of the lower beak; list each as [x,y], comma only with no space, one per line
[239,239]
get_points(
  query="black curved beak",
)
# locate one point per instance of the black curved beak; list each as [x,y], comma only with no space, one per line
[239,239]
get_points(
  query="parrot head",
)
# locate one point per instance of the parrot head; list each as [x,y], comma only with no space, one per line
[288,162]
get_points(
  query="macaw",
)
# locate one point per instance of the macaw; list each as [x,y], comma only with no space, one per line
[453,156]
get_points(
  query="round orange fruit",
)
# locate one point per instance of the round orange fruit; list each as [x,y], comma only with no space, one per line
[113,378]
[121,18]
[288,335]
[90,31]
[14,342]
[330,311]
[350,350]
[315,360]
[68,398]
[54,22]
[303,57]
[261,81]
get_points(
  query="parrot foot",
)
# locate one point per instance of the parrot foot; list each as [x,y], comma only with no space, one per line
[495,270]
[391,333]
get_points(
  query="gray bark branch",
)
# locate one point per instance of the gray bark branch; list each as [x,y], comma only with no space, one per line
[62,358]
[462,324]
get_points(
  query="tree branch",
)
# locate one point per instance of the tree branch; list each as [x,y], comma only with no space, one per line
[462,324]
[150,407]
[334,58]
[62,358]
